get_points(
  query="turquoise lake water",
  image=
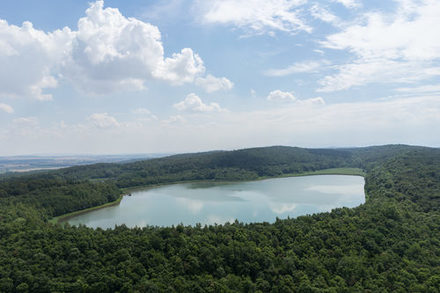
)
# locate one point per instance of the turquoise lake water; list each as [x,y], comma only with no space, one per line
[210,203]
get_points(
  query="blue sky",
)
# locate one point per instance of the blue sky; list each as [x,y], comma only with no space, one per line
[181,76]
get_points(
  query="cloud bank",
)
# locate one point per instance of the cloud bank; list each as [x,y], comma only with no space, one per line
[108,52]
[403,120]
[401,47]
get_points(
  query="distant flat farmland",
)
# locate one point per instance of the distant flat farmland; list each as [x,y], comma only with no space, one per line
[49,162]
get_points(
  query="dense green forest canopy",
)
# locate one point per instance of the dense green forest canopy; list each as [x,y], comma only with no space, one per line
[389,244]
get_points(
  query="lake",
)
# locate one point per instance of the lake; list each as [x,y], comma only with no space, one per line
[210,203]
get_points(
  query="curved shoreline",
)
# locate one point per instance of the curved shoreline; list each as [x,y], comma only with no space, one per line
[62,218]
[126,191]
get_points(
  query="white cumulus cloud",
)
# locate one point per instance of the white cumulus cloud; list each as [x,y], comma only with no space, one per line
[212,84]
[144,114]
[181,68]
[28,57]
[108,52]
[6,108]
[103,120]
[194,103]
[278,95]
[175,119]
[112,52]
[312,101]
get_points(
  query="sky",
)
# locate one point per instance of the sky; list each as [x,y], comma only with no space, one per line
[134,76]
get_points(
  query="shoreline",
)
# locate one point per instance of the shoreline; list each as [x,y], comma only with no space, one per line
[63,218]
[126,191]
[332,171]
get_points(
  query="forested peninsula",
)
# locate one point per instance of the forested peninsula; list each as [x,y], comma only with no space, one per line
[389,244]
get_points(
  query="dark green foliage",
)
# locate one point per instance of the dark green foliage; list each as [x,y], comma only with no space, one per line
[233,165]
[389,244]
[56,195]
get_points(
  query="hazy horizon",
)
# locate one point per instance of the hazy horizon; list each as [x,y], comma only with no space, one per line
[161,154]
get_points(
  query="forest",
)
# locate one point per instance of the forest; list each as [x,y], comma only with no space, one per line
[389,244]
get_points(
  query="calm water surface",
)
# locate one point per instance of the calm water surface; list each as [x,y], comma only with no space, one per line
[209,203]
